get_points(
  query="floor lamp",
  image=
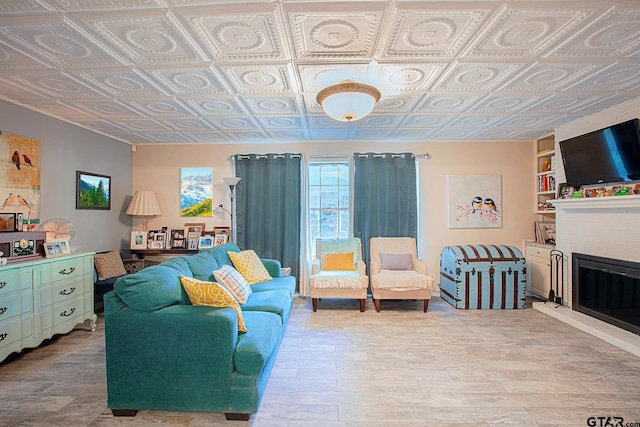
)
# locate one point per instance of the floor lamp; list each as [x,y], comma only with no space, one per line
[232,182]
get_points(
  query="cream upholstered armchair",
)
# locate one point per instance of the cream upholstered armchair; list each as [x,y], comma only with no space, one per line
[338,271]
[396,272]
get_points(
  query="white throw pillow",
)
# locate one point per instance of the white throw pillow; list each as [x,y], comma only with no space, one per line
[233,281]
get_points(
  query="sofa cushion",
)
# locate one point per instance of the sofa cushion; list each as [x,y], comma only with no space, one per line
[213,295]
[396,262]
[219,253]
[249,265]
[283,283]
[256,346]
[154,287]
[277,302]
[233,281]
[202,265]
[180,264]
[109,265]
[338,261]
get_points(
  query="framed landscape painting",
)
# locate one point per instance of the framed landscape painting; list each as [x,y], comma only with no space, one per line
[196,191]
[93,191]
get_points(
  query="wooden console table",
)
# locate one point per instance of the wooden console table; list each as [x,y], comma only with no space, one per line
[141,253]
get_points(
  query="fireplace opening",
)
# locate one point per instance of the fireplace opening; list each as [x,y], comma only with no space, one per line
[607,289]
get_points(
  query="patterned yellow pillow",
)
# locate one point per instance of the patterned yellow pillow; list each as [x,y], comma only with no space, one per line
[338,261]
[250,267]
[213,295]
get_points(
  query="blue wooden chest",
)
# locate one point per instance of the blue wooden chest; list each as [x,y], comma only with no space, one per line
[483,276]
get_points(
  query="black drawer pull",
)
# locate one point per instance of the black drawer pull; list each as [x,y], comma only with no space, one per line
[3,284]
[67,314]
[67,292]
[3,310]
[65,271]
[3,336]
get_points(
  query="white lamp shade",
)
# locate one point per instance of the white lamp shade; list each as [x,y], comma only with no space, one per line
[231,181]
[348,101]
[144,203]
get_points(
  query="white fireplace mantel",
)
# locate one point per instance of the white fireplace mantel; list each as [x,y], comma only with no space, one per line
[612,202]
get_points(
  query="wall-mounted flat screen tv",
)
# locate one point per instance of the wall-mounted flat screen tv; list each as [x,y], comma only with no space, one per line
[603,156]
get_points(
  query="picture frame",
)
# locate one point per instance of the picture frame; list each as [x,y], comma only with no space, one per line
[8,222]
[65,247]
[546,232]
[220,239]
[636,188]
[151,235]
[177,238]
[193,239]
[195,227]
[222,230]
[205,242]
[93,191]
[138,240]
[565,191]
[19,221]
[52,249]
[159,241]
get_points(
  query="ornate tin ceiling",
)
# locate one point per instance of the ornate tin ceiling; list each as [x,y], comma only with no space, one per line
[149,71]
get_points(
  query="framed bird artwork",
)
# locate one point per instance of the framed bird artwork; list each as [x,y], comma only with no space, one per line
[475,201]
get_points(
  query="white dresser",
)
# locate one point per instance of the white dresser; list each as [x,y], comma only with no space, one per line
[41,298]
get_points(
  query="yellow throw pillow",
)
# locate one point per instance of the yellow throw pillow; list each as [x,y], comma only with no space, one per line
[213,295]
[338,261]
[250,267]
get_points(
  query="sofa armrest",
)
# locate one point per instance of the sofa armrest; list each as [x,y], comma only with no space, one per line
[273,266]
[419,266]
[315,267]
[374,267]
[361,267]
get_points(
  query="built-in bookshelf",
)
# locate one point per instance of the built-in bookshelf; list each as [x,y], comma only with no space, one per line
[545,183]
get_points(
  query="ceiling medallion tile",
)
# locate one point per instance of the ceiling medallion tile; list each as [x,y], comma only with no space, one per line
[289,135]
[621,76]
[273,105]
[545,77]
[53,84]
[612,35]
[209,137]
[329,134]
[446,102]
[371,135]
[281,122]
[12,59]
[315,77]
[249,34]
[56,40]
[142,125]
[228,106]
[188,125]
[412,134]
[123,82]
[90,5]
[243,136]
[325,122]
[195,80]
[341,33]
[21,7]
[431,32]
[476,75]
[430,121]
[273,78]
[108,109]
[234,123]
[161,107]
[146,37]
[525,31]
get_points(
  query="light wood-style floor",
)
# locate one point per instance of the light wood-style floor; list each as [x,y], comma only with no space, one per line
[340,367]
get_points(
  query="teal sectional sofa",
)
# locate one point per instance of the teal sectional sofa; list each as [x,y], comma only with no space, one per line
[162,353]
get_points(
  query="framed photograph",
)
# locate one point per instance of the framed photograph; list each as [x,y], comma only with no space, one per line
[177,239]
[192,241]
[93,191]
[64,245]
[564,191]
[590,192]
[205,242]
[138,240]
[546,232]
[222,230]
[151,237]
[220,239]
[193,227]
[159,241]
[52,249]
[636,188]
[8,222]
[19,221]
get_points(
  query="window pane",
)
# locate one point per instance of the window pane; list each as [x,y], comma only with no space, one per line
[314,174]
[329,197]
[328,224]
[329,201]
[330,175]
[344,224]
[344,198]
[314,197]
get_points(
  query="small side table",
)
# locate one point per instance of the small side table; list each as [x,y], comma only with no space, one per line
[286,271]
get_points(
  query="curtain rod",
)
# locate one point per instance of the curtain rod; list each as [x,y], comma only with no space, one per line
[417,156]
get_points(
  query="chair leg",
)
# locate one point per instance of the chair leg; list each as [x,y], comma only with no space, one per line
[362,305]
[426,305]
[377,303]
[232,416]
[124,412]
[314,302]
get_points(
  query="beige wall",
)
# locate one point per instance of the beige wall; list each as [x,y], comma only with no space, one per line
[157,168]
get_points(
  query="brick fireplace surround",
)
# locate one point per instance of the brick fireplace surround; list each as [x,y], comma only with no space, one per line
[606,227]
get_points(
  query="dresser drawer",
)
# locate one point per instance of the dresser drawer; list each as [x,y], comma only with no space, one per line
[10,332]
[62,291]
[14,280]
[63,270]
[69,312]
[534,252]
[16,305]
